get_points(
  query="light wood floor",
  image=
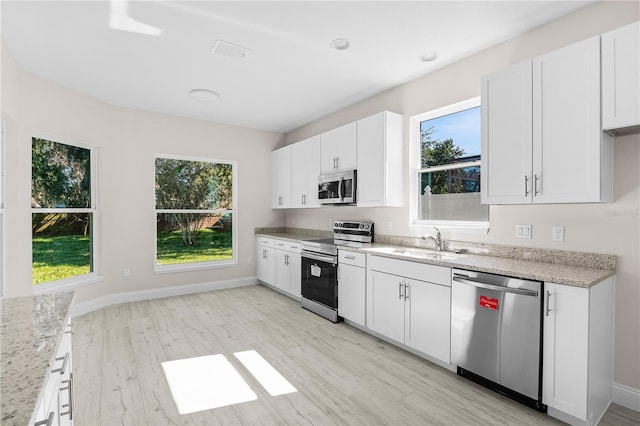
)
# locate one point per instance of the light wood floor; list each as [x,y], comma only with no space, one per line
[343,375]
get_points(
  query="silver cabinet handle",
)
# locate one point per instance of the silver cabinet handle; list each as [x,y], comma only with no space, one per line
[548,308]
[400,290]
[526,185]
[62,369]
[69,389]
[406,290]
[47,422]
[350,257]
[535,185]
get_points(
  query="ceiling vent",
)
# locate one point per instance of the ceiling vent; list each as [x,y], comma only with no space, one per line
[231,50]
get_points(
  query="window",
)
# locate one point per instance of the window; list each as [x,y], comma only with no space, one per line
[195,226]
[447,168]
[62,212]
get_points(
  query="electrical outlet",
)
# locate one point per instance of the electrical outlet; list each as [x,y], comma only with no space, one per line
[249,259]
[557,233]
[126,271]
[523,231]
[390,226]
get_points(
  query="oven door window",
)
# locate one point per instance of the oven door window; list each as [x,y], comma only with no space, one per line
[320,282]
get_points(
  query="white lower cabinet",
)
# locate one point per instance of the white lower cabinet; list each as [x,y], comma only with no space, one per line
[266,260]
[56,407]
[410,303]
[288,267]
[352,286]
[578,351]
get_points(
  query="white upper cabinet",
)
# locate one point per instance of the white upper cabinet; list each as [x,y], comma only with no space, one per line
[305,169]
[281,178]
[338,149]
[565,158]
[379,159]
[621,78]
[507,135]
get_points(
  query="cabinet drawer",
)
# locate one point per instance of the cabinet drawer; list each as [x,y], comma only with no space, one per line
[266,242]
[292,246]
[351,258]
[416,270]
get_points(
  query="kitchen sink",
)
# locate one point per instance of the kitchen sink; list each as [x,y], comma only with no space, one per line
[416,253]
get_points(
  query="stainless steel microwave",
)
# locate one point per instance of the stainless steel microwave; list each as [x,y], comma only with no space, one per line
[337,188]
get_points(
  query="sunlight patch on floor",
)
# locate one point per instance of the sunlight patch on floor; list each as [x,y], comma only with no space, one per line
[265,374]
[205,382]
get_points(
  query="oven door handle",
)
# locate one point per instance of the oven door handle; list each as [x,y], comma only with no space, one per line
[320,258]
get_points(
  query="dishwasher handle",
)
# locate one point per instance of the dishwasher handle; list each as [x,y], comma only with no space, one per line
[479,283]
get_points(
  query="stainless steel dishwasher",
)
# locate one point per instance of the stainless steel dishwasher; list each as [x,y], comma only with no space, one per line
[496,333]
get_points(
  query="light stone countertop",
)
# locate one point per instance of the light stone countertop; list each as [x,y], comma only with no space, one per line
[31,331]
[576,273]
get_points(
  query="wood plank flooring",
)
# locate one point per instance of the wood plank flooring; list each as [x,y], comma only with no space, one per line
[343,376]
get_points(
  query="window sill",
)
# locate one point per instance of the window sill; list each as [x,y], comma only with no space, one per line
[67,284]
[477,228]
[188,267]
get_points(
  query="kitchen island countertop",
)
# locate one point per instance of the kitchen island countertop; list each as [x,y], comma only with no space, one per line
[30,333]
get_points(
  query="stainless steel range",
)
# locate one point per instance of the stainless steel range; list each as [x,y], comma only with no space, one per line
[320,266]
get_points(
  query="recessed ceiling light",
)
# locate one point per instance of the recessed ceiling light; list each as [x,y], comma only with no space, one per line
[204,95]
[429,56]
[340,44]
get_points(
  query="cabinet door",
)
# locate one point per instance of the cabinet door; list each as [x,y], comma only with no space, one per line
[380,165]
[266,265]
[312,167]
[328,151]
[298,174]
[351,293]
[295,270]
[566,124]
[565,349]
[387,305]
[283,271]
[347,140]
[428,318]
[621,77]
[507,136]
[281,178]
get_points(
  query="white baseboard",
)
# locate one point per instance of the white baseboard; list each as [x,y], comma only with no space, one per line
[626,396]
[156,293]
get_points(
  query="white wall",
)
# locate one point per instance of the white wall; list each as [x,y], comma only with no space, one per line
[127,141]
[604,228]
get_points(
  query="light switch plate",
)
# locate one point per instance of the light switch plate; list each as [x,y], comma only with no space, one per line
[523,231]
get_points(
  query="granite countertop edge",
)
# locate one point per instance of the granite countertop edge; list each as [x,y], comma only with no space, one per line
[41,338]
[576,276]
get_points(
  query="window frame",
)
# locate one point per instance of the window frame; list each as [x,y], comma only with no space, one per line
[3,260]
[416,168]
[196,266]
[93,276]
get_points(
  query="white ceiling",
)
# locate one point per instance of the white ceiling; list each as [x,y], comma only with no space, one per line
[290,75]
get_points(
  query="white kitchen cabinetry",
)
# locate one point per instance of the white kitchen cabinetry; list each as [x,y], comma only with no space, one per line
[288,267]
[352,286]
[559,153]
[266,260]
[281,178]
[305,169]
[338,149]
[379,160]
[621,78]
[578,351]
[56,407]
[410,302]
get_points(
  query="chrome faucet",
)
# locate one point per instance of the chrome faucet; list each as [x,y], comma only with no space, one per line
[437,240]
